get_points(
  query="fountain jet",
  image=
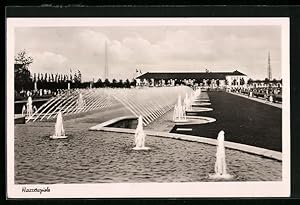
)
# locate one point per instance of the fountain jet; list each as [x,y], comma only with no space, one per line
[179,114]
[139,137]
[220,165]
[187,102]
[150,105]
[29,107]
[59,128]
[23,110]
[80,102]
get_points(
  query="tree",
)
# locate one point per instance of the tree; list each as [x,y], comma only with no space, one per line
[99,83]
[120,83]
[75,77]
[133,83]
[218,83]
[250,81]
[199,81]
[127,83]
[106,83]
[114,83]
[23,59]
[226,82]
[79,76]
[234,82]
[208,82]
[58,78]
[242,81]
[22,74]
[267,81]
[34,77]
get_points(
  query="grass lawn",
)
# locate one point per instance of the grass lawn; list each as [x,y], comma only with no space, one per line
[243,120]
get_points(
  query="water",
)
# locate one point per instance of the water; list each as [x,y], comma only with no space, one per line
[29,107]
[187,103]
[105,157]
[151,103]
[179,112]
[139,136]
[35,86]
[220,165]
[23,110]
[59,128]
[80,103]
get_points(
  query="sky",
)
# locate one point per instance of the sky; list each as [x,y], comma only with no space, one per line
[151,48]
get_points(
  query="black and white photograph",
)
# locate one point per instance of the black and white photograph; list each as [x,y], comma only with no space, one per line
[148,107]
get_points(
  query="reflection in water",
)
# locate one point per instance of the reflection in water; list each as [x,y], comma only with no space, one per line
[104,157]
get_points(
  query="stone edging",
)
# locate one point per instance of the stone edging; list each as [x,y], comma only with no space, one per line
[231,145]
[112,121]
[195,120]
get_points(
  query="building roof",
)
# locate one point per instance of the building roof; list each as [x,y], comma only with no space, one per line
[188,75]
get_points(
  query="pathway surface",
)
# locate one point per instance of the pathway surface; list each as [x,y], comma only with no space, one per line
[243,120]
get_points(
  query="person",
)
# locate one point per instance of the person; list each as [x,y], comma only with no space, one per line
[271,98]
[266,98]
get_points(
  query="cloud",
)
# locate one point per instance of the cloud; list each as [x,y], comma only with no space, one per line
[152,48]
[48,62]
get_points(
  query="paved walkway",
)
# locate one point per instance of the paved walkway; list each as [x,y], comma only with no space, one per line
[243,120]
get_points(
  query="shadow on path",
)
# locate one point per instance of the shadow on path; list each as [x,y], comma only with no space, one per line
[243,120]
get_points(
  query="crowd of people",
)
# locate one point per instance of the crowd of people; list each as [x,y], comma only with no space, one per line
[269,94]
[35,94]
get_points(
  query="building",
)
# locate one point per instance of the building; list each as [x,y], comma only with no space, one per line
[209,79]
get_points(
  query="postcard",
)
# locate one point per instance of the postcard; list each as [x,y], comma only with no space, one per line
[148,107]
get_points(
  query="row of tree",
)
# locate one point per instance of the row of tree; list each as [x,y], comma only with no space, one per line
[50,77]
[99,84]
[114,83]
[25,81]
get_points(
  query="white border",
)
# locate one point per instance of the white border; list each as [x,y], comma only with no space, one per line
[148,190]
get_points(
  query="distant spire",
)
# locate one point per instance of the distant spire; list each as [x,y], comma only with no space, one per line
[269,67]
[106,65]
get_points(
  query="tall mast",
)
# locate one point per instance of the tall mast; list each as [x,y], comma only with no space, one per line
[269,67]
[106,65]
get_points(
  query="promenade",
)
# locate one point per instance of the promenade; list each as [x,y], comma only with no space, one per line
[243,120]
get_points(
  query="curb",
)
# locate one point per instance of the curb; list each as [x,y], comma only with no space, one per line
[231,145]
